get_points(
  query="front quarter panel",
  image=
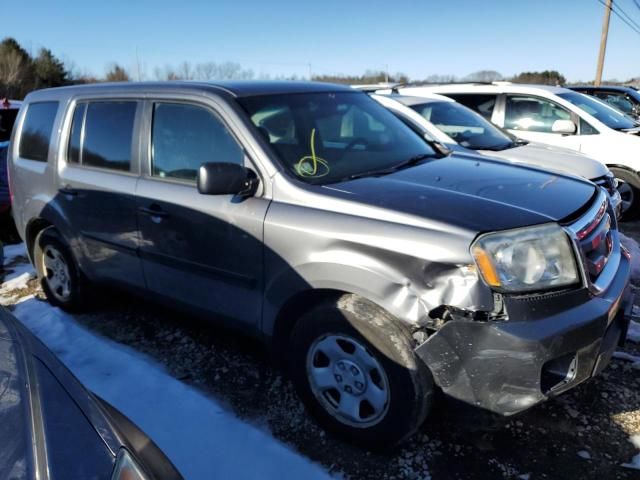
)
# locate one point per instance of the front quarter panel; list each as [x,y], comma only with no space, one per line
[407,268]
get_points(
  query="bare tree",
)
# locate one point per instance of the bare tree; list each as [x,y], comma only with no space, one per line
[116,73]
[185,72]
[206,71]
[484,76]
[13,68]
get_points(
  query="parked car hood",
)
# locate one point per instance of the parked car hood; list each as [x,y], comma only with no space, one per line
[472,192]
[15,434]
[552,158]
[34,386]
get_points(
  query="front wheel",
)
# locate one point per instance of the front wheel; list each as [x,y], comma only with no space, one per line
[354,368]
[629,193]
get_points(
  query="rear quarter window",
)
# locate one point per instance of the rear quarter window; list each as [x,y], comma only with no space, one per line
[483,103]
[36,131]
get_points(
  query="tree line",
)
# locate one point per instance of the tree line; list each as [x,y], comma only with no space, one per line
[22,72]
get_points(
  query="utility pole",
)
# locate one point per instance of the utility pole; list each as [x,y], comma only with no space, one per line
[603,42]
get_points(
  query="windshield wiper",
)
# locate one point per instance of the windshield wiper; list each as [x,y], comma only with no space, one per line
[386,171]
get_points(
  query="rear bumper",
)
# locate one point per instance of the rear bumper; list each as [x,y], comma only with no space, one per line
[549,345]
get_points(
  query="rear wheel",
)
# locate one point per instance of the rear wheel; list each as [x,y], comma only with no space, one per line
[354,368]
[58,275]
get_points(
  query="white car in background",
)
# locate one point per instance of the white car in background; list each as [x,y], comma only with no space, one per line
[460,128]
[560,117]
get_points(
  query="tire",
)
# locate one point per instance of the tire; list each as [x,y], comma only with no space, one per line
[58,274]
[336,336]
[628,184]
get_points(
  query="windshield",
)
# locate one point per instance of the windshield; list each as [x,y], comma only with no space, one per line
[327,137]
[465,126]
[607,115]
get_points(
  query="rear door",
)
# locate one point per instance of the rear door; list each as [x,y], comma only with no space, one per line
[97,179]
[204,251]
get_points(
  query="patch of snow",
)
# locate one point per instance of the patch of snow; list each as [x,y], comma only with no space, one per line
[13,251]
[199,436]
[635,461]
[584,454]
[524,476]
[635,361]
[634,249]
[17,278]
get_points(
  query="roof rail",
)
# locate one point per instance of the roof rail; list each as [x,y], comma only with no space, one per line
[374,87]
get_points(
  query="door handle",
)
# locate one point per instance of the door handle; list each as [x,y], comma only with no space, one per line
[153,211]
[70,192]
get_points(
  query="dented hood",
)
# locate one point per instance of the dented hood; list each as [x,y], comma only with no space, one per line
[472,192]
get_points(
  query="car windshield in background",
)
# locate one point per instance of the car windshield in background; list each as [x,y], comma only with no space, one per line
[606,114]
[328,137]
[466,127]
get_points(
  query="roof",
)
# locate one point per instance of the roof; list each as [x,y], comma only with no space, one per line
[410,100]
[487,88]
[233,88]
[591,88]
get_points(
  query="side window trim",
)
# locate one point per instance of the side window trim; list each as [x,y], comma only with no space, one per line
[497,117]
[146,137]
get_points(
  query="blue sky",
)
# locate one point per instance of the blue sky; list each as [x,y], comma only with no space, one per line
[417,37]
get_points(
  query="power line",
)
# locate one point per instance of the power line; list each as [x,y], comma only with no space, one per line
[615,12]
[635,24]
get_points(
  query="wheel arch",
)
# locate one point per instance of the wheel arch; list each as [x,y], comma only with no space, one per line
[34,227]
[289,313]
[634,176]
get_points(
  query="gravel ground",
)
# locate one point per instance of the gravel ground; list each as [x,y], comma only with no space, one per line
[581,435]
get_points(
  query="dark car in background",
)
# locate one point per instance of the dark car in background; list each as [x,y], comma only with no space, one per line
[51,427]
[625,99]
[8,113]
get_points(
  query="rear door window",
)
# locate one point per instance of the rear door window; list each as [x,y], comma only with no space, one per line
[36,131]
[107,138]
[481,103]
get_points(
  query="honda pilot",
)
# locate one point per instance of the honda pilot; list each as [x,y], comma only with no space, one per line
[380,268]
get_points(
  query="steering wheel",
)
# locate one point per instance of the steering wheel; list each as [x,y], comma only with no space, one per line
[356,141]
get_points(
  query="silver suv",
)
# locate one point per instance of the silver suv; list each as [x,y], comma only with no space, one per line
[377,266]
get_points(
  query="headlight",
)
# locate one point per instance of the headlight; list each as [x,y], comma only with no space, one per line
[126,468]
[534,258]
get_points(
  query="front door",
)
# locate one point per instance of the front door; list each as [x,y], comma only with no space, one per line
[532,118]
[201,250]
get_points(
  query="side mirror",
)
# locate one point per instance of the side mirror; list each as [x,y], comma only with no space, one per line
[565,127]
[225,179]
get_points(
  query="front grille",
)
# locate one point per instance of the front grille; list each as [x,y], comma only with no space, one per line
[595,234]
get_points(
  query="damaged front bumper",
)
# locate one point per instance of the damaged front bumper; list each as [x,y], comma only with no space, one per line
[550,344]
